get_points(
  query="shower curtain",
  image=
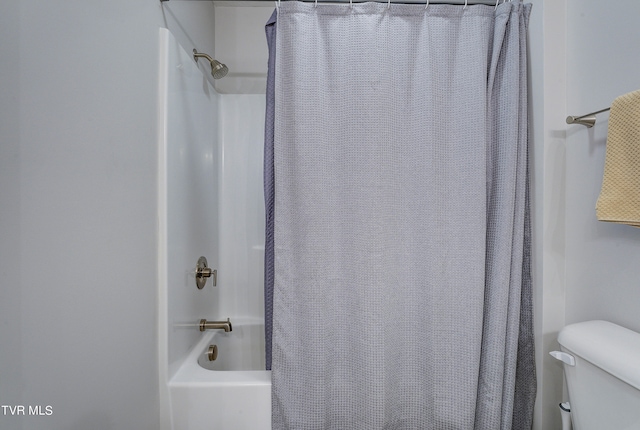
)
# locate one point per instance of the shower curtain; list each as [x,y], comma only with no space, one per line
[398,267]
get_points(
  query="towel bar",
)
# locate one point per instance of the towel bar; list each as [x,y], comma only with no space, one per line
[587,120]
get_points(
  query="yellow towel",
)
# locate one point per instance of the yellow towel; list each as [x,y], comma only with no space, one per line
[619,199]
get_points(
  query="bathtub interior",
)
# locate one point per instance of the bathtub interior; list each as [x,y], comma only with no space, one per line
[237,350]
[233,398]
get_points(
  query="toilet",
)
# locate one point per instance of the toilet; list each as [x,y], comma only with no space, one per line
[602,369]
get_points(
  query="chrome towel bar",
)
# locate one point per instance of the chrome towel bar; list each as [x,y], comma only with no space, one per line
[587,120]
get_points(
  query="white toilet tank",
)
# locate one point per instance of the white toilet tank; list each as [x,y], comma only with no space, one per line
[604,383]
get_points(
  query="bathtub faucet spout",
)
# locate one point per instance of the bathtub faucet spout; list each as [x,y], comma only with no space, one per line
[215,325]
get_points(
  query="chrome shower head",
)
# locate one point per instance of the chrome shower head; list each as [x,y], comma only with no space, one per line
[218,70]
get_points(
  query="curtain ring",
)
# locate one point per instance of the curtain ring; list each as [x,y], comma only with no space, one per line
[316,3]
[426,5]
[465,4]
[388,4]
[497,3]
[351,4]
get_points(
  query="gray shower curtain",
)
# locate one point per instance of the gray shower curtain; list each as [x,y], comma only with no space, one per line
[400,254]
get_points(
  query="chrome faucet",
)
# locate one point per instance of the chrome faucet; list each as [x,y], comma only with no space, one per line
[215,325]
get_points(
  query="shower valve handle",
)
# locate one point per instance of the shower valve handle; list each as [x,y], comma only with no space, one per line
[203,272]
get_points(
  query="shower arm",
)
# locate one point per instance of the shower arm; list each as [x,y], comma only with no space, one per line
[197,54]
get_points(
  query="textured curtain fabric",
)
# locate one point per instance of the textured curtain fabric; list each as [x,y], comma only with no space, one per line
[401,289]
[269,185]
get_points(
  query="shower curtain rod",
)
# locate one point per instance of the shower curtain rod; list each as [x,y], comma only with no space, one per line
[454,2]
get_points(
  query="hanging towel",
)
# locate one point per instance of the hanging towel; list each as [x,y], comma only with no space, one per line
[619,199]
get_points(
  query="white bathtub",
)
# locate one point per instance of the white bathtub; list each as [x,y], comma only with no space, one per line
[231,393]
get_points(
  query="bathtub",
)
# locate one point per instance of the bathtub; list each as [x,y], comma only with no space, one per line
[231,393]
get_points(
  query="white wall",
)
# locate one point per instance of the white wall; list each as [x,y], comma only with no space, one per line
[10,295]
[78,222]
[603,274]
[547,32]
[588,269]
[240,43]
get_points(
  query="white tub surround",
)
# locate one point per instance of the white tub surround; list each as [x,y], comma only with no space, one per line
[210,199]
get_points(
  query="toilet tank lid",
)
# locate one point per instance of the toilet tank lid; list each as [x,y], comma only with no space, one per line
[608,346]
